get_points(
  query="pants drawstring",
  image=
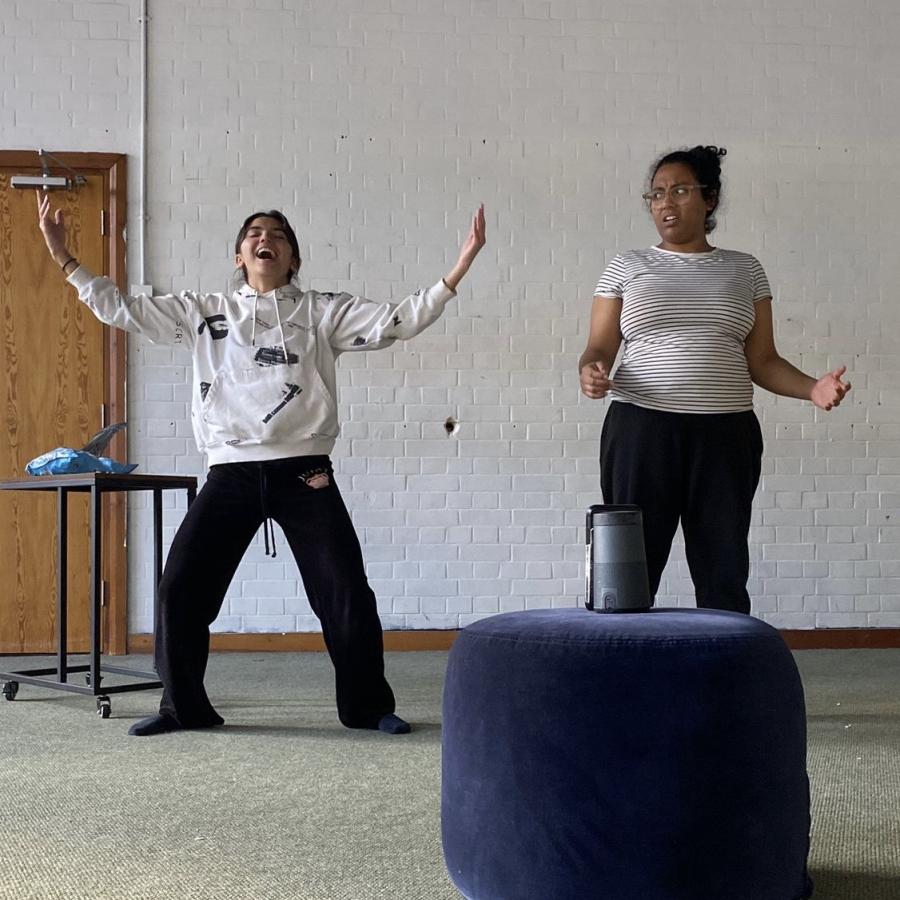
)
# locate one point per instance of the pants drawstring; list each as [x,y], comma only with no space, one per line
[268,525]
[269,529]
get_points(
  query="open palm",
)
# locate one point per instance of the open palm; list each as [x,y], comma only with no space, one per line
[471,246]
[829,390]
[52,226]
[475,239]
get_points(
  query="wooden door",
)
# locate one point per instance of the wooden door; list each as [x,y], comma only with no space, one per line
[59,365]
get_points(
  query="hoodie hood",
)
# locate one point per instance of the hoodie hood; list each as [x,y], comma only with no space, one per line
[237,285]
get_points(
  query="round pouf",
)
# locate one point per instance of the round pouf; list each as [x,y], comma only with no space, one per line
[646,756]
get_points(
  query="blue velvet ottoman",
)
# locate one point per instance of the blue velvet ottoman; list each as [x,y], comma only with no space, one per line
[648,756]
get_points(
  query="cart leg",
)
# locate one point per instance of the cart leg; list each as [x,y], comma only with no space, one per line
[62,601]
[96,578]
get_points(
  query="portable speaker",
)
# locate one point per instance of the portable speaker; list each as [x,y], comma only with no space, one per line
[616,564]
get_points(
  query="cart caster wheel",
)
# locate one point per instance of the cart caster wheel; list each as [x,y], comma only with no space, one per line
[104,707]
[10,689]
[87,679]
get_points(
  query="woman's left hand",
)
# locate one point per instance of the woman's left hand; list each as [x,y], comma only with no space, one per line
[469,250]
[829,390]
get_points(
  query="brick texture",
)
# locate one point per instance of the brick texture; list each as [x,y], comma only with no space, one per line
[378,127]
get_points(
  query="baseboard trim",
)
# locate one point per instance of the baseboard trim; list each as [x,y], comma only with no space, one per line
[797,639]
[842,638]
[306,641]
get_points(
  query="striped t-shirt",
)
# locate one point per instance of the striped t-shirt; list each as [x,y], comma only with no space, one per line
[685,317]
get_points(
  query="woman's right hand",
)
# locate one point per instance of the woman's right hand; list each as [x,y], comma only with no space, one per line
[53,228]
[595,381]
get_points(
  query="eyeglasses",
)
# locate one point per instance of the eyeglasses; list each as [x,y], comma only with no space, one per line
[678,192]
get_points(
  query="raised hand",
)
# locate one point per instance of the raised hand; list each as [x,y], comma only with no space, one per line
[595,381]
[472,245]
[53,228]
[475,239]
[829,390]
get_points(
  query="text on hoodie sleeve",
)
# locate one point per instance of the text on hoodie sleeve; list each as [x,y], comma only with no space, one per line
[165,319]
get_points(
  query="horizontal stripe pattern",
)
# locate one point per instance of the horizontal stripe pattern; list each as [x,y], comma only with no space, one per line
[685,318]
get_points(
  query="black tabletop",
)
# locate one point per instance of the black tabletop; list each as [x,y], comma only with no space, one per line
[103,481]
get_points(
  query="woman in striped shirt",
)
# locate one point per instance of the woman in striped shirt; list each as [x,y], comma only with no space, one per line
[681,439]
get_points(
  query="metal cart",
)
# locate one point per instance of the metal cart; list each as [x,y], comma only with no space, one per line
[97,483]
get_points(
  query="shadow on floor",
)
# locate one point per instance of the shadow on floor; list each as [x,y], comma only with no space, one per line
[427,732]
[833,885]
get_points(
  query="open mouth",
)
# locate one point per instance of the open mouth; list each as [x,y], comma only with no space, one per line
[669,220]
[265,253]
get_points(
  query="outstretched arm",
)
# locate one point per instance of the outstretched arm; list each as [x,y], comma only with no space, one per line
[355,323]
[469,250]
[166,319]
[770,371]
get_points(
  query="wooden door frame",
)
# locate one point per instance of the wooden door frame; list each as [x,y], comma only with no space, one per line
[112,167]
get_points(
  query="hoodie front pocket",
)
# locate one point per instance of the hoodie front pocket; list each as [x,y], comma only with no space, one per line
[260,405]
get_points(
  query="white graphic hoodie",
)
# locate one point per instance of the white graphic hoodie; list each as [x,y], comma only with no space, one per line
[264,378]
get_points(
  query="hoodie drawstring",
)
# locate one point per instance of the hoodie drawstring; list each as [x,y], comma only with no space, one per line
[268,526]
[281,330]
[277,318]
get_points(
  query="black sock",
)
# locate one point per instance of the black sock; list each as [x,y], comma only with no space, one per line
[162,723]
[392,724]
[158,724]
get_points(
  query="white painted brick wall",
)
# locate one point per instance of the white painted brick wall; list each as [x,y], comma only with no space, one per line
[378,126]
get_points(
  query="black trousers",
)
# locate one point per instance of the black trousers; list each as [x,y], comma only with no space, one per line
[300,495]
[700,468]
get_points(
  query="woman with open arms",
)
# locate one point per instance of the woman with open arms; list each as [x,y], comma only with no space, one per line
[264,413]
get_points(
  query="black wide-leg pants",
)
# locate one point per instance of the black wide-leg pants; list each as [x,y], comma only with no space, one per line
[701,469]
[299,494]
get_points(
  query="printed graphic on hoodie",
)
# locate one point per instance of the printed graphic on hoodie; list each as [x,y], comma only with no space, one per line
[274,356]
[218,327]
[292,390]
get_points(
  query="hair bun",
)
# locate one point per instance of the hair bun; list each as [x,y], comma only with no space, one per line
[712,148]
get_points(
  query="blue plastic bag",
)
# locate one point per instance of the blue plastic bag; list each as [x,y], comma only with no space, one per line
[66,461]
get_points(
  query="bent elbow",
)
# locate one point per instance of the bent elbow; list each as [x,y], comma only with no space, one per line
[761,368]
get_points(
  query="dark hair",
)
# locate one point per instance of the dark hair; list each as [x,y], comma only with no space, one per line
[281,218]
[705,163]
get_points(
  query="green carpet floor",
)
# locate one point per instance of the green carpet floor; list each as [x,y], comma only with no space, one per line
[853,712]
[285,803]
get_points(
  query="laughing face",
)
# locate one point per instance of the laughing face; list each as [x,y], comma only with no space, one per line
[679,208]
[266,254]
